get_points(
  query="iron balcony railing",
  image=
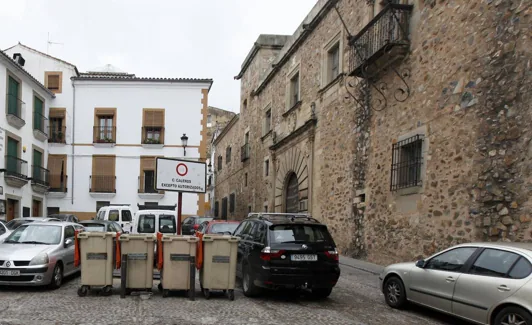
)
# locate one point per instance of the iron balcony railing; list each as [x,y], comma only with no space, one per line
[16,167]
[40,122]
[104,134]
[147,185]
[244,152]
[387,30]
[58,183]
[102,184]
[15,106]
[152,134]
[40,175]
[56,134]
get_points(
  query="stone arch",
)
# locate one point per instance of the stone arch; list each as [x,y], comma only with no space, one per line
[292,165]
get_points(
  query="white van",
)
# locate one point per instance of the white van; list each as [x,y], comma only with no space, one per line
[154,221]
[123,214]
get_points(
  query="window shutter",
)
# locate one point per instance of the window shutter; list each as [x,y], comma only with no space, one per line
[147,163]
[104,166]
[56,165]
[154,118]
[53,81]
[57,112]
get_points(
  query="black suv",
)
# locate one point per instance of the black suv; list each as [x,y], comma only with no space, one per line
[281,250]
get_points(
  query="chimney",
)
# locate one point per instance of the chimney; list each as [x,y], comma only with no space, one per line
[19,59]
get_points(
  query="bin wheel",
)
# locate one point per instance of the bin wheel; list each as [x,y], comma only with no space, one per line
[231,294]
[83,290]
[160,287]
[107,291]
[207,293]
[166,293]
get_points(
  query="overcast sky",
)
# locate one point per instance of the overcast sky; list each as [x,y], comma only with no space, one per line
[153,38]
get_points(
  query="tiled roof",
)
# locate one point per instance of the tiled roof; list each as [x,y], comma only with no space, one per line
[132,77]
[21,69]
[47,55]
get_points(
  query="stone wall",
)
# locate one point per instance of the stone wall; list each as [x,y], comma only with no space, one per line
[219,119]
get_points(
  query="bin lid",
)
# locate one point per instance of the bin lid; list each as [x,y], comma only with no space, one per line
[87,234]
[228,238]
[128,237]
[188,238]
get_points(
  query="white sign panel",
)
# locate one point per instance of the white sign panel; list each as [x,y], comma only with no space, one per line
[180,175]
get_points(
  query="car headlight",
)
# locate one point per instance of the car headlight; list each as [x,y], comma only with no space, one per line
[40,259]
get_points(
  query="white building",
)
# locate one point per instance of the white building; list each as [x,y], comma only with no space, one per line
[106,129]
[23,141]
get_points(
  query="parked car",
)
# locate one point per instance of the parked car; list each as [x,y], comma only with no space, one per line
[102,226]
[65,217]
[38,253]
[153,221]
[123,214]
[221,227]
[4,231]
[187,225]
[15,223]
[486,283]
[292,251]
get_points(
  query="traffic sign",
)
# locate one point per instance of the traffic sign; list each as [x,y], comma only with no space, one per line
[180,175]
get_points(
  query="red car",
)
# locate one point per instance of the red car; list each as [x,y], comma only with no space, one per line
[220,227]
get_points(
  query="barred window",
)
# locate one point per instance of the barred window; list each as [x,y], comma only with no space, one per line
[224,208]
[232,203]
[407,159]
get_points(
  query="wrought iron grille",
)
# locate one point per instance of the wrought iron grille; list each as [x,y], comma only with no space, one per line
[385,31]
[40,175]
[407,160]
[244,152]
[16,166]
[104,134]
[56,134]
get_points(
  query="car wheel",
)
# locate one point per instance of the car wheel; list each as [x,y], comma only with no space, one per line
[57,277]
[513,316]
[394,292]
[249,288]
[321,293]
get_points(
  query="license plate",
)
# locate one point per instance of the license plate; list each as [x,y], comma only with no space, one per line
[10,272]
[304,257]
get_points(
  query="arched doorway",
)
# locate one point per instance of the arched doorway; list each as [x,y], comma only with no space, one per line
[292,194]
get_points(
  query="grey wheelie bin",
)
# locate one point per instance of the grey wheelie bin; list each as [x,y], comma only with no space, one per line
[218,270]
[137,267]
[179,267]
[96,252]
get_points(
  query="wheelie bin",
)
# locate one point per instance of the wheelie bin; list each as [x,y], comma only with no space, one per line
[138,250]
[178,263]
[95,251]
[218,270]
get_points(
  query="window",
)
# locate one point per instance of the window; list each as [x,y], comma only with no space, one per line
[244,105]
[494,262]
[103,179]
[265,208]
[333,60]
[14,103]
[267,167]
[14,165]
[224,208]
[249,208]
[126,216]
[153,126]
[69,232]
[294,90]
[113,215]
[521,269]
[452,260]
[147,175]
[101,204]
[300,233]
[38,114]
[104,125]
[53,80]
[209,120]
[216,209]
[167,224]
[228,155]
[149,181]
[407,159]
[219,164]
[146,224]
[245,149]
[267,127]
[39,174]
[245,179]
[232,203]
[239,230]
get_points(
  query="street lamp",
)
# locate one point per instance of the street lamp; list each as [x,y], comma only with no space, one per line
[184,141]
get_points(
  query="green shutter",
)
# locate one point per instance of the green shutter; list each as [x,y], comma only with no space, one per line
[12,154]
[37,163]
[37,114]
[12,101]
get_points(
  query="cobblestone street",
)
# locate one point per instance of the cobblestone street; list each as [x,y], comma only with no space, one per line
[356,300]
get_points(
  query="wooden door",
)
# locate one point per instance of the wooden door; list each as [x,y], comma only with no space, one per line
[36,208]
[12,206]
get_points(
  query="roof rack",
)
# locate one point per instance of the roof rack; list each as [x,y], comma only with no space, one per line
[291,216]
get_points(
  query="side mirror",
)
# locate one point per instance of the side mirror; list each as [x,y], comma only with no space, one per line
[420,263]
[69,242]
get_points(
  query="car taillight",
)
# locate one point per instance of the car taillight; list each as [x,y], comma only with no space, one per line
[333,255]
[267,253]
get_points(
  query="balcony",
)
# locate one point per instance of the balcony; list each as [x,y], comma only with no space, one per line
[56,134]
[152,136]
[16,171]
[15,111]
[102,186]
[382,42]
[40,181]
[58,186]
[147,189]
[244,152]
[40,126]
[104,136]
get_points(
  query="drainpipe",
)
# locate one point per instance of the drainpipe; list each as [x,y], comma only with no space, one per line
[73,137]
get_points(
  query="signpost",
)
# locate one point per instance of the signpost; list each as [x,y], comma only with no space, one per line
[182,176]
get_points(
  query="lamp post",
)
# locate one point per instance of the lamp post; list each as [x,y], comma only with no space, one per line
[184,142]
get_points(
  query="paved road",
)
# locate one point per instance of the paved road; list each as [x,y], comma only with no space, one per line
[356,300]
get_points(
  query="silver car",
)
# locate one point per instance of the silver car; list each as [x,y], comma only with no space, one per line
[38,253]
[485,283]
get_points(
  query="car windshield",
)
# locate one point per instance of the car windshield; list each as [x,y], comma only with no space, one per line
[35,234]
[146,224]
[14,224]
[94,227]
[167,224]
[300,234]
[223,227]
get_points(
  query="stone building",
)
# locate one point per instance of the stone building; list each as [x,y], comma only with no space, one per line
[400,124]
[217,119]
